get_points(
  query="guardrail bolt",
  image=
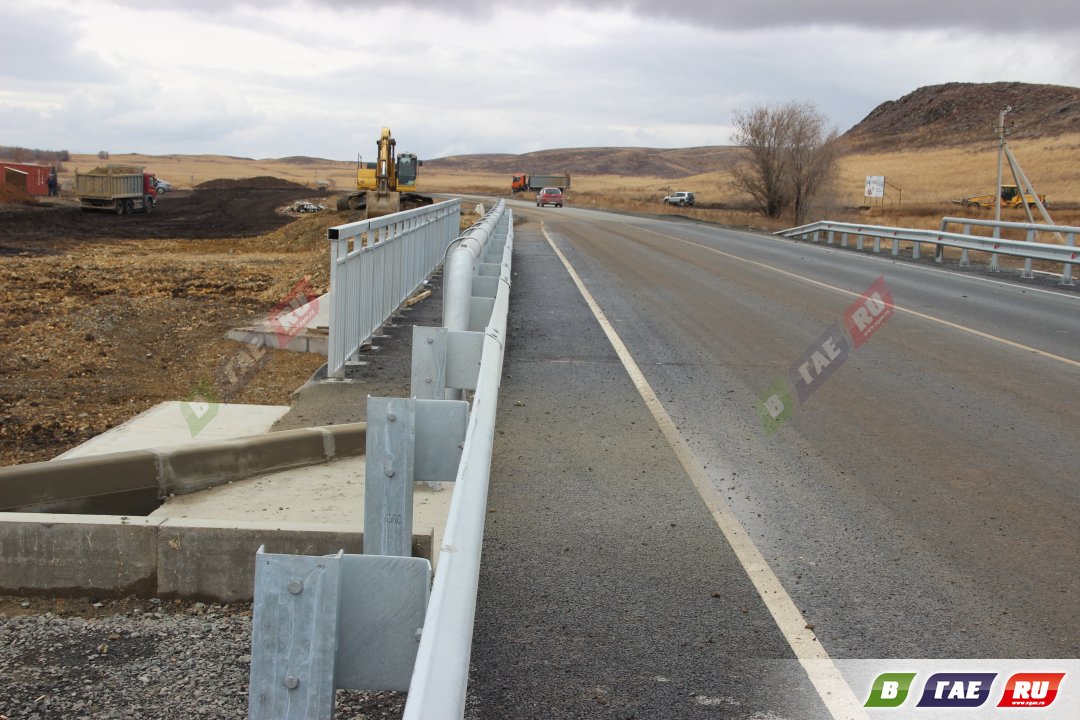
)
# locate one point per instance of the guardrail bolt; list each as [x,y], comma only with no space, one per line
[427,380]
[391,417]
[430,341]
[389,472]
[292,682]
[296,587]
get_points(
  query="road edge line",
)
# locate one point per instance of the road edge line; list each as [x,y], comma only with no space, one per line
[815,660]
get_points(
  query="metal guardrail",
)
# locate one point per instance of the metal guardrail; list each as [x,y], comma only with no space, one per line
[375,265]
[1065,254]
[1065,232]
[375,621]
[440,676]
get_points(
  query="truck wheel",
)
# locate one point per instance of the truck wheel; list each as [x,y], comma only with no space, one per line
[119,207]
[129,207]
[148,205]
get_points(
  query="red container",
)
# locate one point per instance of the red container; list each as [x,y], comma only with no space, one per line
[37,176]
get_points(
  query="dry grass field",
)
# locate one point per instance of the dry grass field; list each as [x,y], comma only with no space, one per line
[923,182]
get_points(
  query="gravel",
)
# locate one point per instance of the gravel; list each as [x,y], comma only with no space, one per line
[136,658]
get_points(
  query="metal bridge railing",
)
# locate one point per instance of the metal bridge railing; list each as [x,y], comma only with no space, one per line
[1065,254]
[375,621]
[375,265]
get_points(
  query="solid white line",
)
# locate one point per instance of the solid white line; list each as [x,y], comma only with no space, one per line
[826,678]
[914,313]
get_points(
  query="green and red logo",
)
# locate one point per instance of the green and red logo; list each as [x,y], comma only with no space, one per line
[965,690]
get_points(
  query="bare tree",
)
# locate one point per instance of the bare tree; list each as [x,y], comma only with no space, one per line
[791,157]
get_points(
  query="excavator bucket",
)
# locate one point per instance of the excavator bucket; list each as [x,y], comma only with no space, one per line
[379,204]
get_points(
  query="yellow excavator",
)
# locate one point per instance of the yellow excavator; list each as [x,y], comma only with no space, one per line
[387,185]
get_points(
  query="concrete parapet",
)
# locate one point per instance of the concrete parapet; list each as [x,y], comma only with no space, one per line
[77,554]
[133,481]
[198,559]
[216,560]
[118,483]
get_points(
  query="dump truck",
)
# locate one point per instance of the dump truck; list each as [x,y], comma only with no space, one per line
[388,185]
[121,189]
[1010,198]
[525,181]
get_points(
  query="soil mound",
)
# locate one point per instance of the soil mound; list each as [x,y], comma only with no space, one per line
[262,182]
[222,213]
[959,113]
[12,194]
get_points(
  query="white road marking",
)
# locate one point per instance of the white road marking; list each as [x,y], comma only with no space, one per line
[915,313]
[823,673]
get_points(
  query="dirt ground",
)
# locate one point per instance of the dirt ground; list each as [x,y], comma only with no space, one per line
[104,316]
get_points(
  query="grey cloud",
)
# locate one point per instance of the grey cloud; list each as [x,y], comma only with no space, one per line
[994,16]
[37,48]
[989,16]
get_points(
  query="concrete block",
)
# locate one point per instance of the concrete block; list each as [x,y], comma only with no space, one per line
[77,554]
[116,484]
[197,467]
[215,560]
[350,439]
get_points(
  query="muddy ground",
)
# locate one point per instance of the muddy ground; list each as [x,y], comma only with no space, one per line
[103,316]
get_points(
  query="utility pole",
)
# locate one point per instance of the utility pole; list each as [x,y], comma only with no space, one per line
[1002,131]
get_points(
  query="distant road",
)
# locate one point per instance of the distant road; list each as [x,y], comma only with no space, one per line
[923,502]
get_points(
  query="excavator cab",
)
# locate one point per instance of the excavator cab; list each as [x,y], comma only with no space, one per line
[1009,193]
[408,168]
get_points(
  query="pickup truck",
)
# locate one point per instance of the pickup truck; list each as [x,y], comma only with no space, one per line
[681,199]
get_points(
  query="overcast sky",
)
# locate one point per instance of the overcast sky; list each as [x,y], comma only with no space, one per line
[320,77]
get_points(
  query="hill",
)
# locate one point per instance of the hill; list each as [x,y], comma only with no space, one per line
[962,113]
[636,162]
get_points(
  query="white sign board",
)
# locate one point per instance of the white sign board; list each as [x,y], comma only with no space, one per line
[875,186]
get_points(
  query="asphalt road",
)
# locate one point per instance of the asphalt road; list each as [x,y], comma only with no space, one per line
[922,502]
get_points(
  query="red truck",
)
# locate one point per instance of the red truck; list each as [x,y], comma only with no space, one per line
[121,189]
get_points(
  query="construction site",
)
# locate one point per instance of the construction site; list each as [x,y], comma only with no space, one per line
[105,315]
